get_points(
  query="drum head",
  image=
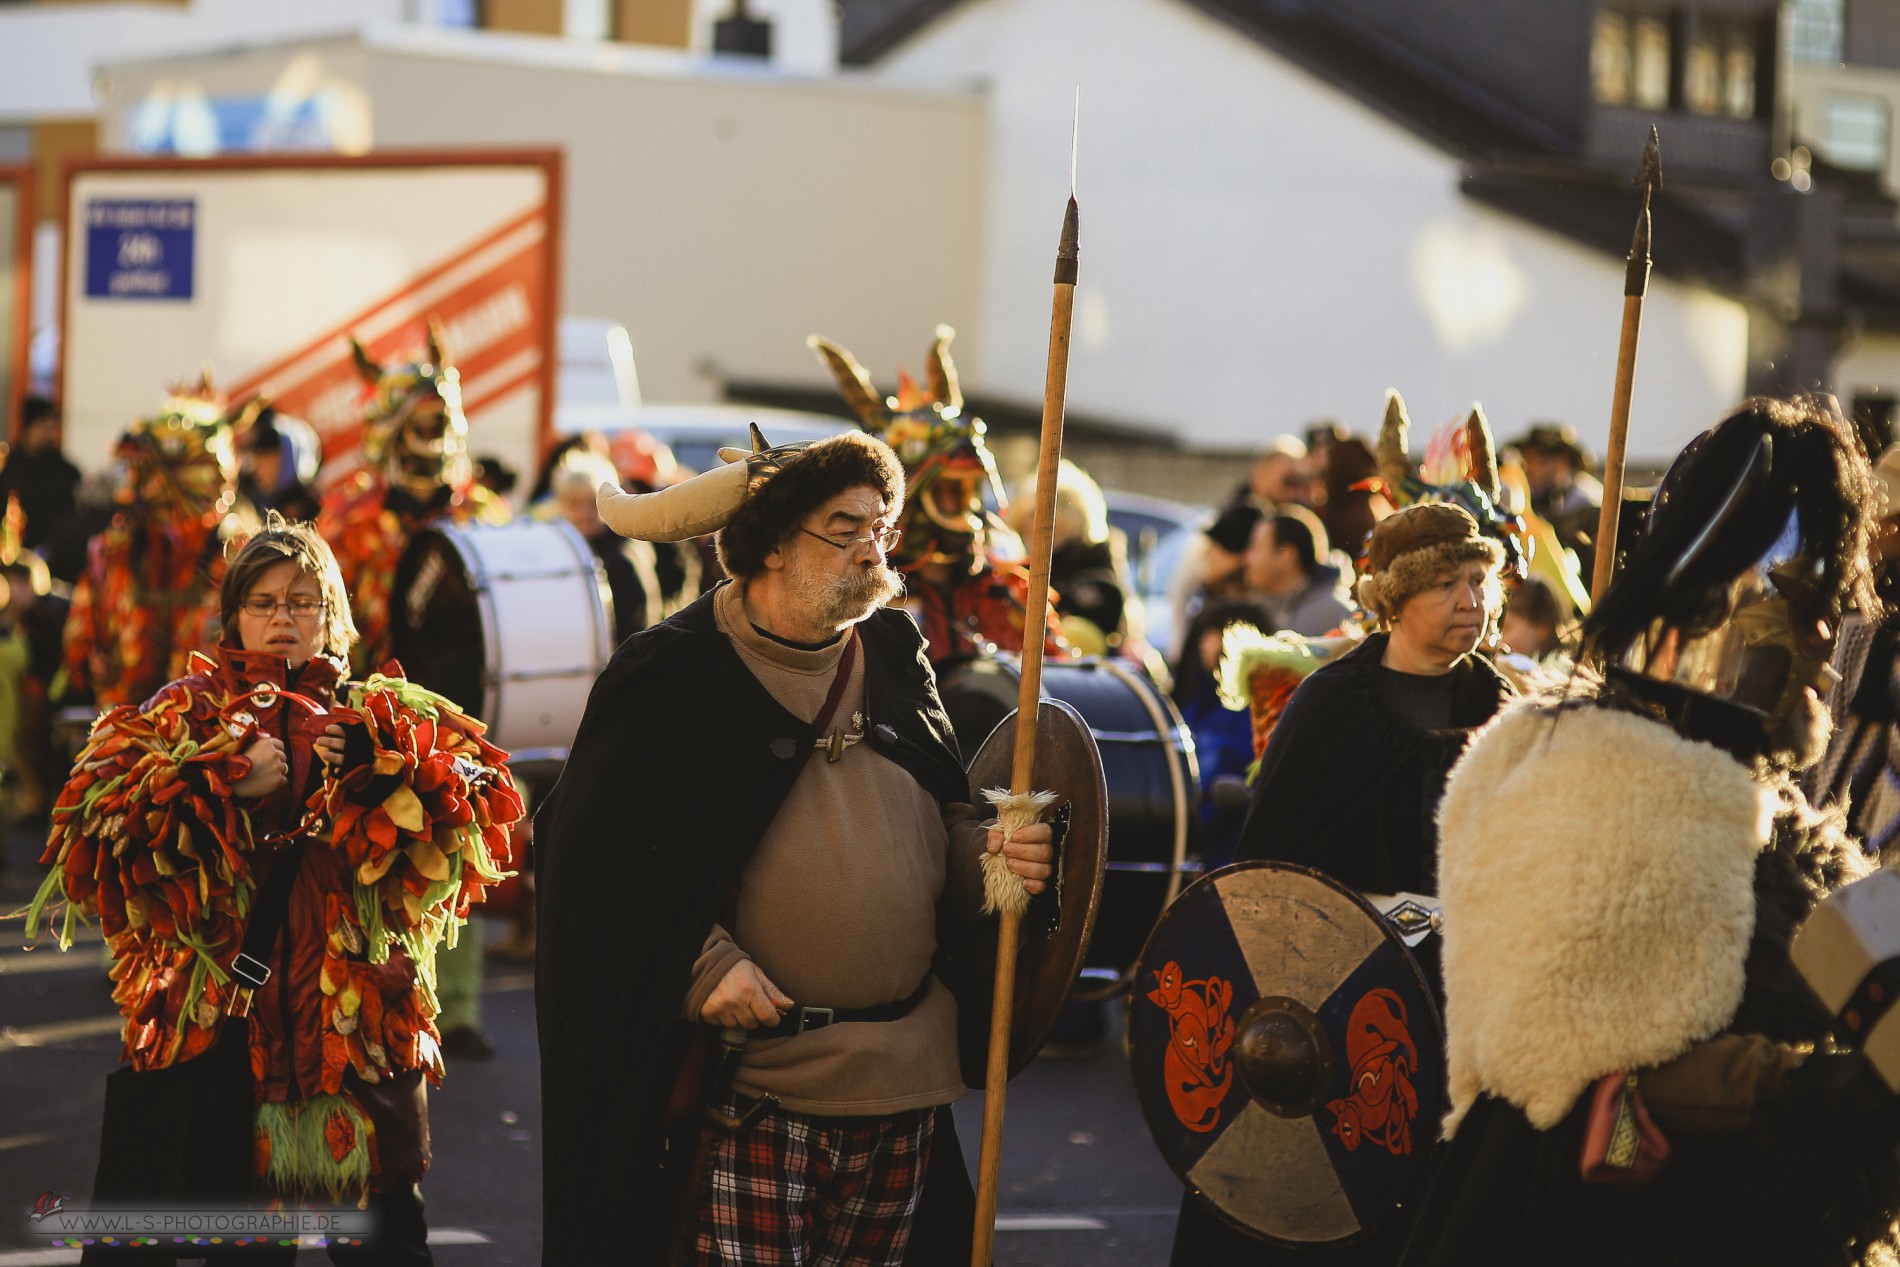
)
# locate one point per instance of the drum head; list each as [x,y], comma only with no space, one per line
[1055,932]
[1287,1054]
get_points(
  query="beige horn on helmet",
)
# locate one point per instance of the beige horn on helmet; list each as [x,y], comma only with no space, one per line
[1395,462]
[699,505]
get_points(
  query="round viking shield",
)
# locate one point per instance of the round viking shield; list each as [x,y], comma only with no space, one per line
[1055,932]
[1287,1054]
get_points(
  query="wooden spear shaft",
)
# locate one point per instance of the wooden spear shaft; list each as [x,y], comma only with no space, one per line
[1028,709]
[1635,286]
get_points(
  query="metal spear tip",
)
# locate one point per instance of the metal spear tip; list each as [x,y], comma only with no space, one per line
[1067,261]
[1649,173]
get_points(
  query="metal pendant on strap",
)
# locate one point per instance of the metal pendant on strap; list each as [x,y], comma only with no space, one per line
[839,739]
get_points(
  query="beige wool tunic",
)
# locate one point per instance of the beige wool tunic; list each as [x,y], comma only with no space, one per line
[838,907]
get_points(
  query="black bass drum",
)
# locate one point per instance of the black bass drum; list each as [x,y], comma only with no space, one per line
[1153,789]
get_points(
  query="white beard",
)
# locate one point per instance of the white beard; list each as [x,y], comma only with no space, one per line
[835,602]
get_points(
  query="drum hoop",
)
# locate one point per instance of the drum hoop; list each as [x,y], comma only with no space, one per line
[461,537]
[478,581]
[1177,783]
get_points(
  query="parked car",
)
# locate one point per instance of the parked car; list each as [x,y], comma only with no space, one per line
[599,390]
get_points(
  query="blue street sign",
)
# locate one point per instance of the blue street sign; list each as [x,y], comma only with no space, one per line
[139,248]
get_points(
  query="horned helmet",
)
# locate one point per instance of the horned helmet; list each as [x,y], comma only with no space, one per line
[947,465]
[1461,468]
[181,462]
[414,430]
[1725,612]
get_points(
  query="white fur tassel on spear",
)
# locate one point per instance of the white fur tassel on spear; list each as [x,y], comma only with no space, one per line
[1003,890]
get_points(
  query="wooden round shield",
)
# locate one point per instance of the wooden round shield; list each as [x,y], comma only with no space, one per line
[1287,1054]
[1055,932]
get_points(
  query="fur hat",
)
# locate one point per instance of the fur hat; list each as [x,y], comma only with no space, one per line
[1413,547]
[771,514]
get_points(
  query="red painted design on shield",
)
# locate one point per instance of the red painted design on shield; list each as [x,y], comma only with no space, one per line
[1199,1033]
[1384,1059]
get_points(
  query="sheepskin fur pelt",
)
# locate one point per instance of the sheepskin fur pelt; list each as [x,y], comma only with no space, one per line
[1597,873]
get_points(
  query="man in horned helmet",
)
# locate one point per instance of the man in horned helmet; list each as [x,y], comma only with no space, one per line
[416,472]
[148,597]
[800,829]
[965,581]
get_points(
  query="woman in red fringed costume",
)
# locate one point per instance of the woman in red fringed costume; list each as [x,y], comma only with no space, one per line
[393,812]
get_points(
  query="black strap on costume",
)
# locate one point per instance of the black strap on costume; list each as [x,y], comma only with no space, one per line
[267,916]
[803,1019]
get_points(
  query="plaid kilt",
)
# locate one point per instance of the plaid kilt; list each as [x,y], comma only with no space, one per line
[794,1188]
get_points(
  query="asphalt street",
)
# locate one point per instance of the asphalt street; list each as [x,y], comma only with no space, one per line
[1082,1184]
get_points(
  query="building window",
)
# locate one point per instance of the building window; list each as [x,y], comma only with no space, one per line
[465,13]
[1816,30]
[1630,59]
[1718,75]
[1854,132]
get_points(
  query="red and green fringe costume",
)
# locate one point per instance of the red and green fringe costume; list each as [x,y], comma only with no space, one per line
[148,837]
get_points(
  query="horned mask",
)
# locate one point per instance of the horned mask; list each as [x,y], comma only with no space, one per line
[947,464]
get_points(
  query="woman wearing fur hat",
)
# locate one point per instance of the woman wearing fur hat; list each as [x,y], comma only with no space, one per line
[1350,779]
[1639,1075]
[1392,715]
[761,827]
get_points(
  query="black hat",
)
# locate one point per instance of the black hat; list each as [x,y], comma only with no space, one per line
[1234,529]
[1553,438]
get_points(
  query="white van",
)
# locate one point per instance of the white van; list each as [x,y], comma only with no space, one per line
[599,390]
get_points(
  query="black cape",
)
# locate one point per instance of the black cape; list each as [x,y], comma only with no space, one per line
[1348,787]
[680,764]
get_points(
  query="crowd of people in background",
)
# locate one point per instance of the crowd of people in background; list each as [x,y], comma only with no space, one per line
[1280,555]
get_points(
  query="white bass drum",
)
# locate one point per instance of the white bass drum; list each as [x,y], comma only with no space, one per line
[511,621]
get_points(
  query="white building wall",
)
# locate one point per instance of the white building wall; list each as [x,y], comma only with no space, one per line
[48,53]
[1258,249]
[721,213]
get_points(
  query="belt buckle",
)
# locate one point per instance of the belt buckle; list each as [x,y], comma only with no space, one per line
[251,971]
[815,1017]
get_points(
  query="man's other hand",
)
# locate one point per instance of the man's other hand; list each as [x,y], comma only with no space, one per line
[1031,853]
[745,998]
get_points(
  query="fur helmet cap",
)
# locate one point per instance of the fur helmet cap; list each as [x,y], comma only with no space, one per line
[773,510]
[757,498]
[1413,547]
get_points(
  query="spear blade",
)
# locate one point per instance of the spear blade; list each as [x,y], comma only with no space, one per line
[1649,178]
[1649,173]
